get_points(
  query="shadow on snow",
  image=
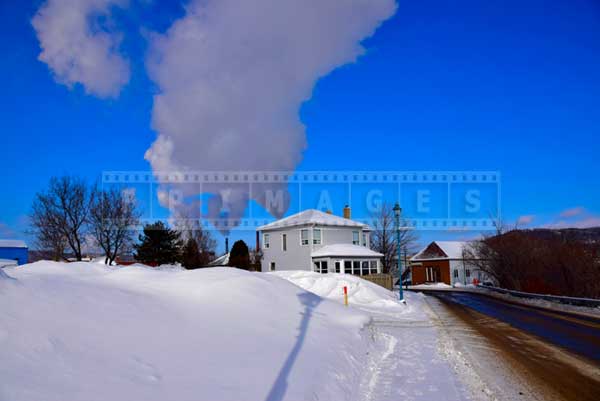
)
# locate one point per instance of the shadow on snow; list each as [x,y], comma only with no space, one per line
[310,302]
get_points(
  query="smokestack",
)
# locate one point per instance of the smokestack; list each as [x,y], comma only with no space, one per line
[226,244]
[347,212]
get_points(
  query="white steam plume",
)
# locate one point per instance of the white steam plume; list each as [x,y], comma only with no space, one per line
[232,76]
[78,49]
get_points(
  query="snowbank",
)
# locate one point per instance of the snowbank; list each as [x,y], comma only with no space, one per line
[3,276]
[543,303]
[461,285]
[361,293]
[437,286]
[85,331]
[8,262]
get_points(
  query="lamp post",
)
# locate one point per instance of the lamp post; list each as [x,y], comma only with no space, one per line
[397,211]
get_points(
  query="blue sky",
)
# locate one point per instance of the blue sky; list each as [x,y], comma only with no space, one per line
[508,86]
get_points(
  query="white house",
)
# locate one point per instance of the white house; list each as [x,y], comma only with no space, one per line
[319,241]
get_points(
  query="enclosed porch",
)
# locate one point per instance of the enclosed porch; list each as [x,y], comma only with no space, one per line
[346,259]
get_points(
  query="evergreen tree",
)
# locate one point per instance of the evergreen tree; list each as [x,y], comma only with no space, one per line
[191,258]
[239,256]
[158,245]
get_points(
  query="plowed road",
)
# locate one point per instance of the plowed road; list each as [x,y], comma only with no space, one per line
[552,355]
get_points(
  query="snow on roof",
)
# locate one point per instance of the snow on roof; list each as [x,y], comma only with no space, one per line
[12,243]
[452,250]
[345,250]
[313,217]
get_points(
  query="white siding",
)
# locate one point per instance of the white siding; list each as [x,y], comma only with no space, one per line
[297,256]
[461,267]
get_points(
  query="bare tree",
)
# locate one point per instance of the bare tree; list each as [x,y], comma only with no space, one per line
[191,228]
[543,261]
[113,218]
[486,258]
[59,215]
[49,239]
[383,237]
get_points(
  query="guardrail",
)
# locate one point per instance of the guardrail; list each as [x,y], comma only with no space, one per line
[594,303]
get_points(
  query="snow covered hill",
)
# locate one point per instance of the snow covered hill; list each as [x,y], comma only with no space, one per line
[84,331]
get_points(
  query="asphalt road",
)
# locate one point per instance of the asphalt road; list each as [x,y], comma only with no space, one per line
[571,332]
[546,355]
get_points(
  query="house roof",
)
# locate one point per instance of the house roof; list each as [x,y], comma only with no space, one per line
[12,243]
[312,217]
[345,250]
[449,250]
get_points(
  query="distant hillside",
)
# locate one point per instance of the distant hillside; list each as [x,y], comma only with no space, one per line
[547,261]
[584,235]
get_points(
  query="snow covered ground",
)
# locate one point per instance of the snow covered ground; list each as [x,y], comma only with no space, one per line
[85,331]
[413,363]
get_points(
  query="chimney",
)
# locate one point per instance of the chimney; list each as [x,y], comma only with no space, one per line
[347,213]
[328,211]
[226,244]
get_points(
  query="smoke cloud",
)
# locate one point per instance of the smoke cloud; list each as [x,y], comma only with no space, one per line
[232,76]
[79,46]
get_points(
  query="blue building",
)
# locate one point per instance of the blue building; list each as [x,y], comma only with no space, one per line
[13,250]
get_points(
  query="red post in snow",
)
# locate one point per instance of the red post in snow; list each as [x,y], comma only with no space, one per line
[345,295]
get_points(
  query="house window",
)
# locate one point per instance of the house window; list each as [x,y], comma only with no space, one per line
[338,266]
[468,273]
[356,267]
[365,268]
[284,242]
[266,241]
[355,240]
[455,273]
[272,267]
[320,267]
[317,236]
[304,237]
[373,267]
[364,239]
[347,267]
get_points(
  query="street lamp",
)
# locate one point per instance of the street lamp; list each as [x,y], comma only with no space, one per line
[397,211]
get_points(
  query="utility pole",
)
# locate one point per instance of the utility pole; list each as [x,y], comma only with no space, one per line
[397,211]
